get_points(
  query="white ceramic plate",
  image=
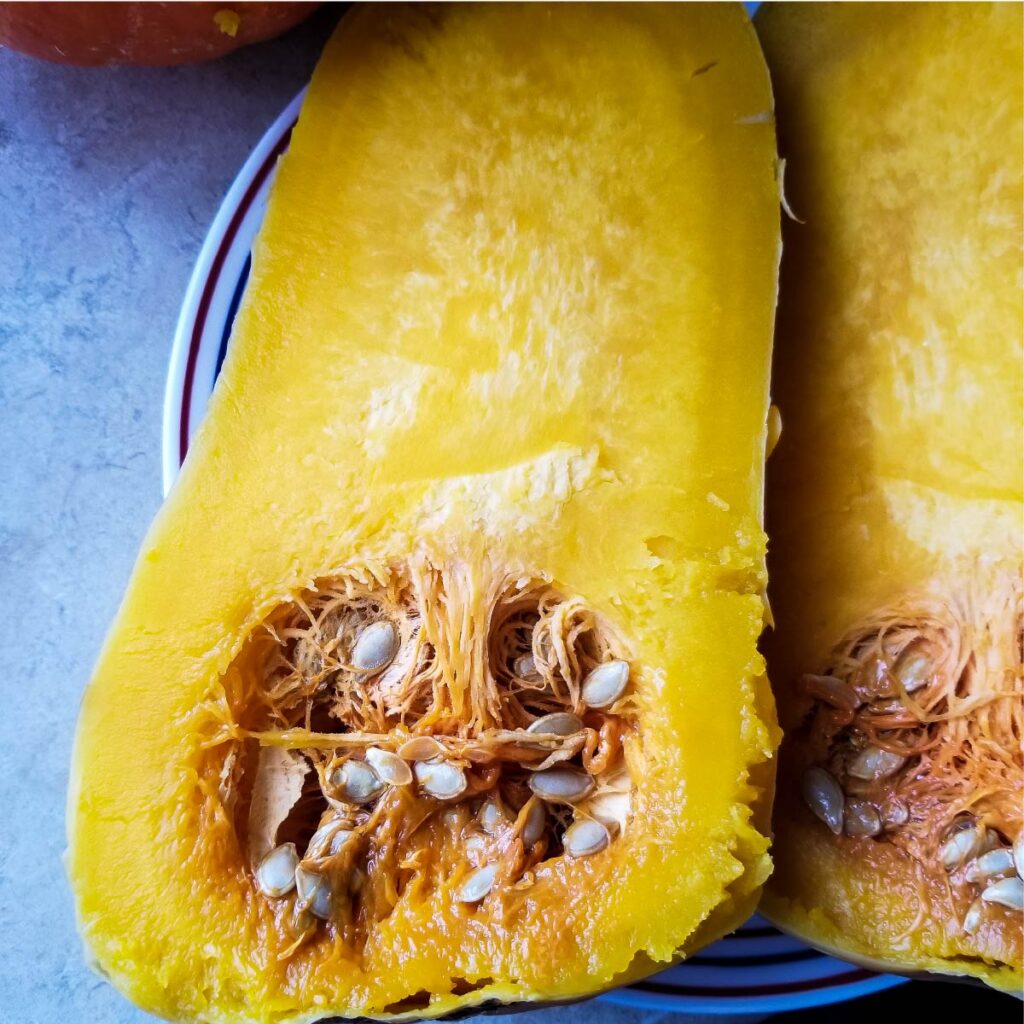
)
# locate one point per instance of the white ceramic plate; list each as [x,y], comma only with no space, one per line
[755,970]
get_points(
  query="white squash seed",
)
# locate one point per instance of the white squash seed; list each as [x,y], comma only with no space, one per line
[534,822]
[561,785]
[861,819]
[420,748]
[275,875]
[962,844]
[824,796]
[475,846]
[327,840]
[874,763]
[389,767]
[439,779]
[356,782]
[988,865]
[972,919]
[314,891]
[585,837]
[493,817]
[477,884]
[525,667]
[375,647]
[913,670]
[1008,892]
[560,723]
[605,684]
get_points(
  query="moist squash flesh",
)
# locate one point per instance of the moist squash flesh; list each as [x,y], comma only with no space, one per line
[895,493]
[487,446]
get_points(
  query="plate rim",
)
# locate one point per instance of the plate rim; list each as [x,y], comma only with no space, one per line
[176,422]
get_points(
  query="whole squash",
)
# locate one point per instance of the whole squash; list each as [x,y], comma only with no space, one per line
[895,494]
[141,33]
[436,682]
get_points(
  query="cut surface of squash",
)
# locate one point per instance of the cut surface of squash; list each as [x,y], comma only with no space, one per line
[895,494]
[436,682]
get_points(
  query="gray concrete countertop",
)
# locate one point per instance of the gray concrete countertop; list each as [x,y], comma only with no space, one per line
[109,179]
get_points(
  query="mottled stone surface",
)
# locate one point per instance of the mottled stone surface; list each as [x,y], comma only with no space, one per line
[108,181]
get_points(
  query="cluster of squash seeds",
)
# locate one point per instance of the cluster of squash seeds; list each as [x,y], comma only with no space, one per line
[978,856]
[983,860]
[548,781]
[849,814]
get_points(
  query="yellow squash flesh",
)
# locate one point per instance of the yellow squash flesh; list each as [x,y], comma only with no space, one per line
[899,474]
[510,312]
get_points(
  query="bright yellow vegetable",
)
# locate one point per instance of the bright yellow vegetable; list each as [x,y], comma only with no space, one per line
[506,341]
[895,495]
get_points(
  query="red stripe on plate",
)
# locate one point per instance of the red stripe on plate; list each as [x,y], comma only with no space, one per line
[211,281]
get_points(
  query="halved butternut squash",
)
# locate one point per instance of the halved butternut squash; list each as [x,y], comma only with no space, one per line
[436,683]
[896,505]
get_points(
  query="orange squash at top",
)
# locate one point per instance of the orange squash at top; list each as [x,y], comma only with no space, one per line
[436,682]
[896,494]
[142,33]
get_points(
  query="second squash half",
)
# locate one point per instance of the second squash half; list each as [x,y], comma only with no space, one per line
[895,498]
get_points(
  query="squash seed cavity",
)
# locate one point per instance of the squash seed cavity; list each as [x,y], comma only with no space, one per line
[378,755]
[917,717]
